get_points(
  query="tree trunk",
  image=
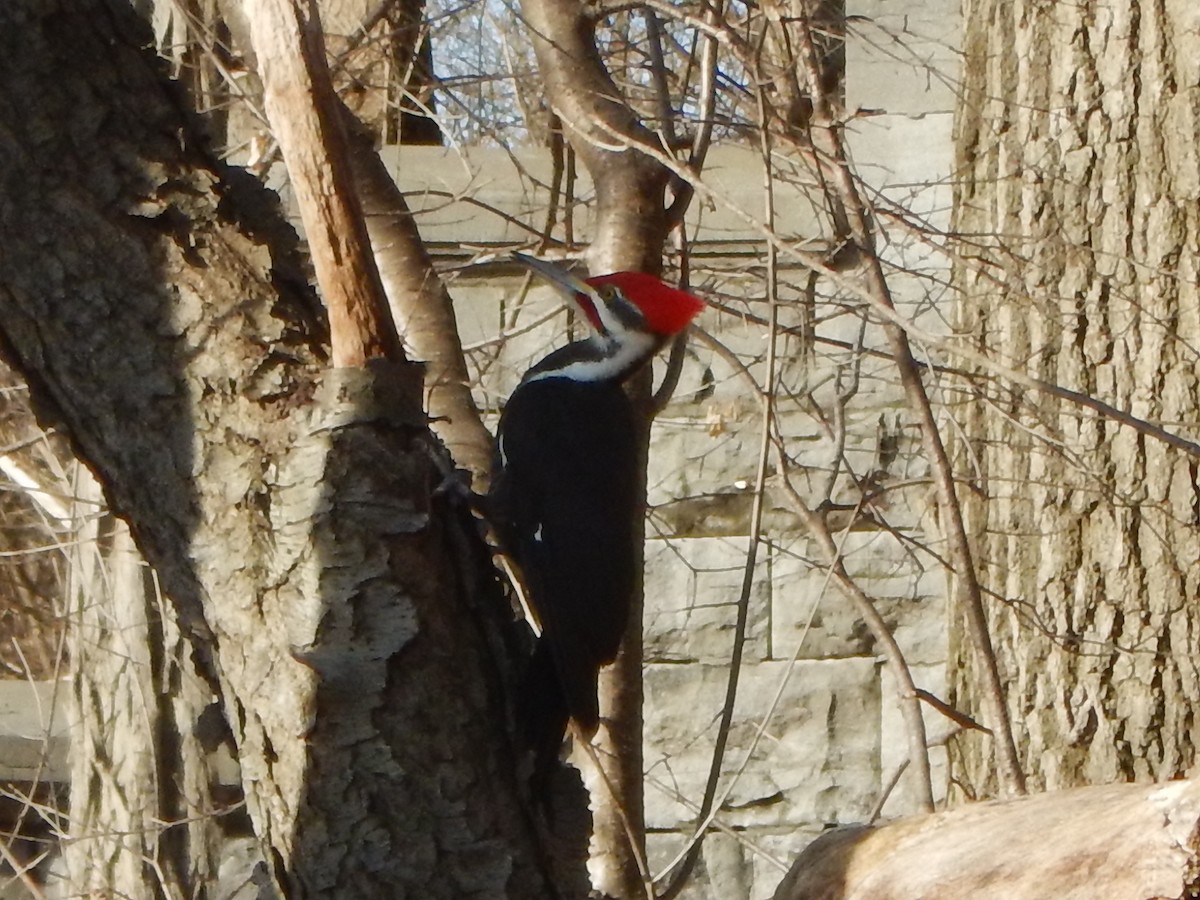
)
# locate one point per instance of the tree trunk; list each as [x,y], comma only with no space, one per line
[1079,233]
[629,233]
[140,805]
[153,301]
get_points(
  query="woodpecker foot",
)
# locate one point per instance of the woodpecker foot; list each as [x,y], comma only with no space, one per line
[456,482]
[456,486]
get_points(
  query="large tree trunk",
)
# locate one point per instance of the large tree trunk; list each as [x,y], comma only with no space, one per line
[1119,842]
[1077,207]
[151,298]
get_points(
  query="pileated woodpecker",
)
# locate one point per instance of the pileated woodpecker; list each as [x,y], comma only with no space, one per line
[565,492]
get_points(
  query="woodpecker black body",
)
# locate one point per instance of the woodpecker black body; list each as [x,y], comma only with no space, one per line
[565,495]
[567,484]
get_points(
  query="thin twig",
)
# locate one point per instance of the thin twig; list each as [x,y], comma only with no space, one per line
[970,596]
[666,388]
[886,791]
[22,871]
[707,99]
[906,689]
[959,718]
[756,518]
[658,75]
[714,822]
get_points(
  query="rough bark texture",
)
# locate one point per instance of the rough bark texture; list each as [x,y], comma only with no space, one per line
[1077,203]
[149,296]
[137,699]
[1119,842]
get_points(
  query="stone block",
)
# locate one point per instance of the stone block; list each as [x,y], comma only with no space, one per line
[490,196]
[734,174]
[692,590]
[701,475]
[809,611]
[34,730]
[903,58]
[714,448]
[689,458]
[748,863]
[900,155]
[817,760]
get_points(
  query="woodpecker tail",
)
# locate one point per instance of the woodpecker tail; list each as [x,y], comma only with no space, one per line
[552,694]
[543,712]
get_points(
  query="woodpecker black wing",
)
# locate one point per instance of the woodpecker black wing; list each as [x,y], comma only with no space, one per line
[564,500]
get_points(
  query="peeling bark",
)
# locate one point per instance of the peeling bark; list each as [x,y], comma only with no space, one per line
[151,298]
[1077,202]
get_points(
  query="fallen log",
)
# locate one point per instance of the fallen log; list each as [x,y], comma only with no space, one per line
[1115,842]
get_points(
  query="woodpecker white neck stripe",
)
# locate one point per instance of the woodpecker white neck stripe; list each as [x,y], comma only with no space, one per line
[615,313]
[623,356]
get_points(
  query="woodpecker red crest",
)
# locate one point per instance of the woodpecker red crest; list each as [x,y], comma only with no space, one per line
[667,310]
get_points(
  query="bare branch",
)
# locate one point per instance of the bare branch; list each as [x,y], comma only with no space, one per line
[630,224]
[299,101]
[970,596]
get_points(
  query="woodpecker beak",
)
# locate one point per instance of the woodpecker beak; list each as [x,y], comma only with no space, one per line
[578,291]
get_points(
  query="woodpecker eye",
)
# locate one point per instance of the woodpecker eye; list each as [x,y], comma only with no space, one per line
[609,293]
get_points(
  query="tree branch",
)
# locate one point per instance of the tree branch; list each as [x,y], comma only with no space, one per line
[420,305]
[300,104]
[837,170]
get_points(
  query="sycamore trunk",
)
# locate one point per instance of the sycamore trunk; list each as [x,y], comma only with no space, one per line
[1079,227]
